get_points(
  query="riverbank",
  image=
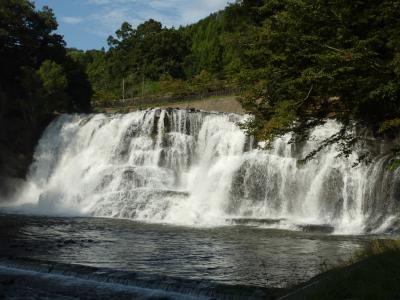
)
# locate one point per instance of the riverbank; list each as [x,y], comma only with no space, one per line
[229,104]
[375,276]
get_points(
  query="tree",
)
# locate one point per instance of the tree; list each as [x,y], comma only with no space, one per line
[95,64]
[145,53]
[28,43]
[36,79]
[203,82]
[54,84]
[323,59]
[53,77]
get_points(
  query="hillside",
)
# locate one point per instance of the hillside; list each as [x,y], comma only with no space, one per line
[341,61]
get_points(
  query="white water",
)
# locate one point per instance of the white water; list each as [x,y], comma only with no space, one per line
[197,168]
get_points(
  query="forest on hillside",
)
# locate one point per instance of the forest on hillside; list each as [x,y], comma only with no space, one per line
[297,62]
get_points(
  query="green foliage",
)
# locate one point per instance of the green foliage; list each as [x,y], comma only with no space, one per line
[390,125]
[34,65]
[372,274]
[299,62]
[206,47]
[95,64]
[203,82]
[328,59]
[151,53]
[376,247]
[37,78]
[146,52]
[394,165]
[53,85]
[172,87]
[53,77]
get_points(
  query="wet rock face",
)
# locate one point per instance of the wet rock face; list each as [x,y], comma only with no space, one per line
[9,187]
[18,139]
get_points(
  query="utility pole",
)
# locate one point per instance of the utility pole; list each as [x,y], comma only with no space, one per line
[143,86]
[123,89]
[143,76]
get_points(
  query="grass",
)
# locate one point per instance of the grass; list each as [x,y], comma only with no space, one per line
[372,274]
[217,103]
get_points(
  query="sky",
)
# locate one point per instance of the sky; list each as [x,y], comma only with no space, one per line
[86,24]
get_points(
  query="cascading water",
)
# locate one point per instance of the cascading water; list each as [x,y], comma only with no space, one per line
[197,168]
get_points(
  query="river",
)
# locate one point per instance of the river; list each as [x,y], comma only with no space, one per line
[186,194]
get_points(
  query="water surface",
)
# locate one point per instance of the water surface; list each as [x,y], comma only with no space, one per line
[230,255]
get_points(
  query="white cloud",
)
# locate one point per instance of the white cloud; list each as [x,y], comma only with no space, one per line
[187,11]
[99,2]
[71,20]
[109,14]
[106,22]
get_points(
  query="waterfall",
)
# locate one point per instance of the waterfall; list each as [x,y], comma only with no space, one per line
[200,169]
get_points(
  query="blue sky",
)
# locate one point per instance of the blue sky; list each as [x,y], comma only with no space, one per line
[86,24]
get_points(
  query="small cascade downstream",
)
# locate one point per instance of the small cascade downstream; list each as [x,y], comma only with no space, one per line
[195,168]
